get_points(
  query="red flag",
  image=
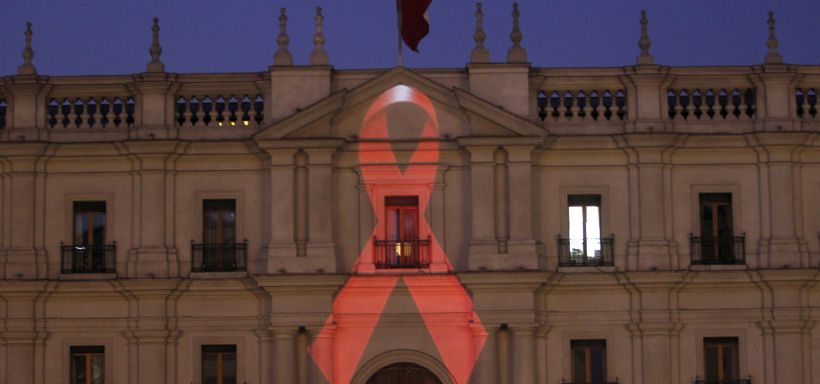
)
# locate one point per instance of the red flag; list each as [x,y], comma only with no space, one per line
[414,24]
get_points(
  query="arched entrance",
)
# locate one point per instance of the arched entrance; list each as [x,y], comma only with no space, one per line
[404,373]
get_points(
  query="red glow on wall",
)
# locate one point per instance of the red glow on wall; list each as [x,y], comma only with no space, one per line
[441,300]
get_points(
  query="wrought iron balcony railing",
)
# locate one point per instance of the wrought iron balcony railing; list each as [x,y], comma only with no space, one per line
[569,255]
[722,250]
[219,257]
[405,253]
[89,258]
[730,381]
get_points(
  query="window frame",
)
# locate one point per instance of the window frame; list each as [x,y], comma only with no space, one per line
[721,341]
[87,349]
[219,350]
[588,345]
[197,342]
[587,200]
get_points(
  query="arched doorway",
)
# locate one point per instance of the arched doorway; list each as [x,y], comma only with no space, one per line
[404,373]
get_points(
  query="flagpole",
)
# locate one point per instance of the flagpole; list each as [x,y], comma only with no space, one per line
[398,24]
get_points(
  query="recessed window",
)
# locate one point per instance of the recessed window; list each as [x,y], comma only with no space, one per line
[219,364]
[88,251]
[584,244]
[717,243]
[720,359]
[589,361]
[87,365]
[219,250]
[401,246]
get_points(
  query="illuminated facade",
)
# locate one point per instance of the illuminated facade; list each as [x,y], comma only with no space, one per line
[505,222]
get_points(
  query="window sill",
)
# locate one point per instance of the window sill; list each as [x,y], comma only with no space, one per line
[718,267]
[88,276]
[219,275]
[587,269]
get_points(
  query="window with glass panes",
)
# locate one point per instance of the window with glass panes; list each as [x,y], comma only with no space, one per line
[716,225]
[87,365]
[219,364]
[720,355]
[585,225]
[219,221]
[588,361]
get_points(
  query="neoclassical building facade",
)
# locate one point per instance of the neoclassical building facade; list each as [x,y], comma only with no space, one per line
[497,223]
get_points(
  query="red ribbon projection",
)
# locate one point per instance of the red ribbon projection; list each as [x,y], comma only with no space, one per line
[441,300]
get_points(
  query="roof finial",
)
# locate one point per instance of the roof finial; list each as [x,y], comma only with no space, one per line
[282,55]
[479,54]
[773,57]
[27,68]
[319,54]
[645,58]
[155,65]
[516,53]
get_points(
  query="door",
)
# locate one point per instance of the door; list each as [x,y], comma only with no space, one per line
[402,231]
[404,373]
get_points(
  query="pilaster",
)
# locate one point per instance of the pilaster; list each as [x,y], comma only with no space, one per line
[320,247]
[505,85]
[282,246]
[294,88]
[155,106]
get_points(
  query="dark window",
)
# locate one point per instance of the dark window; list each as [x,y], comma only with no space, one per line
[89,223]
[716,226]
[402,217]
[720,359]
[585,225]
[87,365]
[218,364]
[589,361]
[219,221]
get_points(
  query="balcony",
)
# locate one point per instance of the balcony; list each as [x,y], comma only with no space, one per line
[569,255]
[723,250]
[730,381]
[593,382]
[412,253]
[83,258]
[220,257]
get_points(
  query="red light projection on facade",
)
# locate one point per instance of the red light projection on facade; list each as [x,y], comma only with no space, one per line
[441,300]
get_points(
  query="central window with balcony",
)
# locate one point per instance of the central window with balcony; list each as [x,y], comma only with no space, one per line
[88,252]
[585,246]
[219,251]
[721,361]
[401,246]
[717,243]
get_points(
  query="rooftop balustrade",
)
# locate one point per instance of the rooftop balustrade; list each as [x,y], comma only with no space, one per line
[566,101]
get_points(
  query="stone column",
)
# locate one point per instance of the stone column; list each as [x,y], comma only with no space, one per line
[483,241]
[300,202]
[151,356]
[20,217]
[265,366]
[522,244]
[523,354]
[284,350]
[501,200]
[26,115]
[281,246]
[486,366]
[324,344]
[320,249]
[302,342]
[655,349]
[503,351]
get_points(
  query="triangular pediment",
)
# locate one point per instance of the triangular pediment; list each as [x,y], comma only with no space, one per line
[460,113]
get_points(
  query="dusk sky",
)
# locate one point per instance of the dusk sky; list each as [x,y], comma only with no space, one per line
[90,37]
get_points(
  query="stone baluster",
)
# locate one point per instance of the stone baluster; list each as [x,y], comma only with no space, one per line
[690,108]
[251,111]
[587,106]
[678,105]
[212,114]
[187,113]
[743,105]
[575,109]
[97,116]
[562,107]
[84,123]
[73,116]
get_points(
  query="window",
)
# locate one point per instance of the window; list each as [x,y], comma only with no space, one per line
[219,251]
[720,355]
[88,251]
[585,225]
[219,221]
[401,247]
[87,365]
[219,364]
[717,243]
[585,246]
[589,361]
